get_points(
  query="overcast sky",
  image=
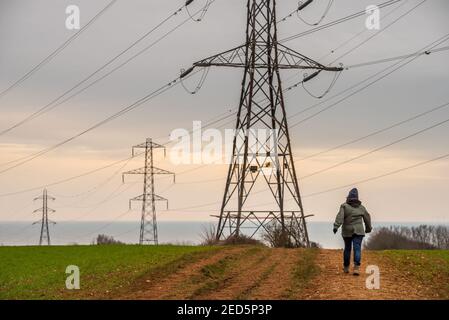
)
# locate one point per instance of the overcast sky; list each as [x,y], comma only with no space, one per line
[31,29]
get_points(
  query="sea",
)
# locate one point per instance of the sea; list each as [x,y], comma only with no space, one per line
[169,232]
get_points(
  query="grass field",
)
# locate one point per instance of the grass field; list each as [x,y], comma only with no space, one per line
[39,272]
[430,268]
[231,272]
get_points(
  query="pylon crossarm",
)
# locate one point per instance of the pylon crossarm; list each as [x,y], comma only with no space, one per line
[290,59]
[231,58]
[135,171]
[142,171]
[149,144]
[162,171]
[235,58]
[149,196]
[41,198]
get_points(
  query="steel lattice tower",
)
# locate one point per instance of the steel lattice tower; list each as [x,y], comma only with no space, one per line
[262,107]
[148,224]
[45,233]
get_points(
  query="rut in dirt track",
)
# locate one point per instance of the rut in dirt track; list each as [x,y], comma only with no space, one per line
[235,273]
[262,273]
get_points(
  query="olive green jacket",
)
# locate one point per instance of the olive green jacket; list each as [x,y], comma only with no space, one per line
[352,219]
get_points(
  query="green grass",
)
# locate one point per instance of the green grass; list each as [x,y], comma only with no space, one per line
[304,271]
[39,272]
[429,267]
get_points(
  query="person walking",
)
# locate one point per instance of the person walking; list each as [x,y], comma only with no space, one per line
[356,222]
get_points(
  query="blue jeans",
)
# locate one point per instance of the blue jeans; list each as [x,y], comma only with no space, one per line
[356,242]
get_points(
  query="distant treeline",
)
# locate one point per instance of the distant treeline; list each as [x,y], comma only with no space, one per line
[103,239]
[412,238]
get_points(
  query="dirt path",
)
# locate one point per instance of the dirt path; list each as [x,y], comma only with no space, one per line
[332,284]
[235,273]
[265,276]
[276,282]
[161,288]
[262,273]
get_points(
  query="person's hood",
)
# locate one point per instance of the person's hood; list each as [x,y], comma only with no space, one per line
[354,202]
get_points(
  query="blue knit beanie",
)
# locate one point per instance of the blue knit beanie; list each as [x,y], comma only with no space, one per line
[353,194]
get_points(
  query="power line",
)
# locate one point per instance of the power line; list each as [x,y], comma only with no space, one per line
[57,50]
[301,7]
[379,32]
[228,115]
[336,22]
[200,167]
[70,178]
[380,176]
[385,4]
[396,66]
[344,43]
[433,44]
[374,62]
[355,36]
[194,169]
[115,219]
[54,103]
[120,113]
[379,148]
[97,186]
[374,133]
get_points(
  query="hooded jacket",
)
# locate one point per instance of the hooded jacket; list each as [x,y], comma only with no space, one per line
[354,217]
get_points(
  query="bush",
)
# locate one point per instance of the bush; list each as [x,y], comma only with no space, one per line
[415,238]
[209,238]
[275,236]
[241,239]
[287,238]
[209,235]
[103,239]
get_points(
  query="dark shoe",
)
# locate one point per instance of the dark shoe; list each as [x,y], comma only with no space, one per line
[346,269]
[356,270]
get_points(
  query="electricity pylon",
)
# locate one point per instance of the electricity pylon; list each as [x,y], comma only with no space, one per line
[267,161]
[45,233]
[148,224]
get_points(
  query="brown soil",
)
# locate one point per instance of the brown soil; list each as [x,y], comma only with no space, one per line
[154,289]
[263,273]
[332,284]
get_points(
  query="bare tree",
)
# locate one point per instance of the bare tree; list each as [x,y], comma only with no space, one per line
[399,237]
[103,239]
[208,235]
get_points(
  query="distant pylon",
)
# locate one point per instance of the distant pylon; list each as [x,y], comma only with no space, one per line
[265,162]
[148,224]
[45,232]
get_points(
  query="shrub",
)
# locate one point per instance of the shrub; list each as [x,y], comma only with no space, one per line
[103,239]
[416,238]
[209,235]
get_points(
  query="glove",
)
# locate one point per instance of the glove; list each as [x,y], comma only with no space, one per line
[335,230]
[368,230]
